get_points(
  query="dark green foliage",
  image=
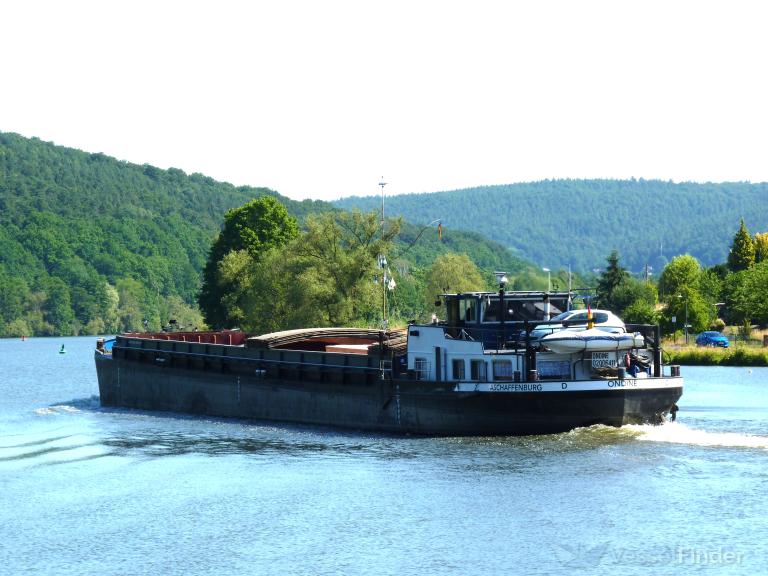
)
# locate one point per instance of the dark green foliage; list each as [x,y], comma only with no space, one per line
[322,278]
[734,356]
[746,295]
[329,274]
[13,294]
[57,308]
[72,223]
[420,245]
[740,297]
[631,298]
[612,278]
[560,222]
[742,254]
[640,312]
[256,227]
[90,244]
[340,251]
[686,295]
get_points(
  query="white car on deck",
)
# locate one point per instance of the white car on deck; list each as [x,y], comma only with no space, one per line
[577,320]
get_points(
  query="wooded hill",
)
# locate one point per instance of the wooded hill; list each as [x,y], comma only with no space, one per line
[557,223]
[90,244]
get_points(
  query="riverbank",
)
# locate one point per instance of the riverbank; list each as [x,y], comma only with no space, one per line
[702,356]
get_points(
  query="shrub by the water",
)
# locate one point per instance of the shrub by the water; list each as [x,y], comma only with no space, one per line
[736,356]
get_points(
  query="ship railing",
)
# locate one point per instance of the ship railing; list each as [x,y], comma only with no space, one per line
[652,336]
[498,336]
[229,337]
[514,334]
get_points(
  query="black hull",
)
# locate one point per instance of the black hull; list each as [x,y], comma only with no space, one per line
[370,403]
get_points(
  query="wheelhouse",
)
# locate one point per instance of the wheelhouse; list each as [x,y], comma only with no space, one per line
[500,319]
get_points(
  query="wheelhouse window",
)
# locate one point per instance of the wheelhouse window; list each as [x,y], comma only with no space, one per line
[555,369]
[491,310]
[421,368]
[468,310]
[478,370]
[502,370]
[458,368]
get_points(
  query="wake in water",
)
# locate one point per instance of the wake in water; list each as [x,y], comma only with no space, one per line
[57,409]
[678,433]
[76,405]
[599,436]
[45,448]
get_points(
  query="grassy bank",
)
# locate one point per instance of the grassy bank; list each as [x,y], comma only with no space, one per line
[734,356]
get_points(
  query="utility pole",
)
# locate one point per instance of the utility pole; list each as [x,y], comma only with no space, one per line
[685,326]
[549,278]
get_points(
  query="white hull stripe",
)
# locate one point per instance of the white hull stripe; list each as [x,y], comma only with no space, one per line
[571,386]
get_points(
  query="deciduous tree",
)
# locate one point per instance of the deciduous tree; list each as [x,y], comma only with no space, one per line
[451,273]
[761,247]
[256,227]
[747,295]
[340,253]
[680,285]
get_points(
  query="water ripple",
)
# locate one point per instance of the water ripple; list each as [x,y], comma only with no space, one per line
[35,442]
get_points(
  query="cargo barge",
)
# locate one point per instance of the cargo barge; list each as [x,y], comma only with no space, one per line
[477,372]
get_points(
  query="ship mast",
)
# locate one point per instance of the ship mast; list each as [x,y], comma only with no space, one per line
[383,261]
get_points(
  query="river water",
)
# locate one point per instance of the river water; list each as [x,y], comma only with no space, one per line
[91,491]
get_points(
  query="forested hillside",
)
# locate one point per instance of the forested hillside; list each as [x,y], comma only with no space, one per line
[557,223]
[90,244]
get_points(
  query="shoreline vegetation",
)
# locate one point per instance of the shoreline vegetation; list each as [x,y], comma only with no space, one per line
[738,355]
[186,251]
[749,350]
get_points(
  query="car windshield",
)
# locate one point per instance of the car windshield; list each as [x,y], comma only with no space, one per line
[580,316]
[563,315]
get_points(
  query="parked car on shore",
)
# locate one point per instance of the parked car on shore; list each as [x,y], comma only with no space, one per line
[712,338]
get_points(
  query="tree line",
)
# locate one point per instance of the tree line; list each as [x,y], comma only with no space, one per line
[562,223]
[93,245]
[733,292]
[265,273]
